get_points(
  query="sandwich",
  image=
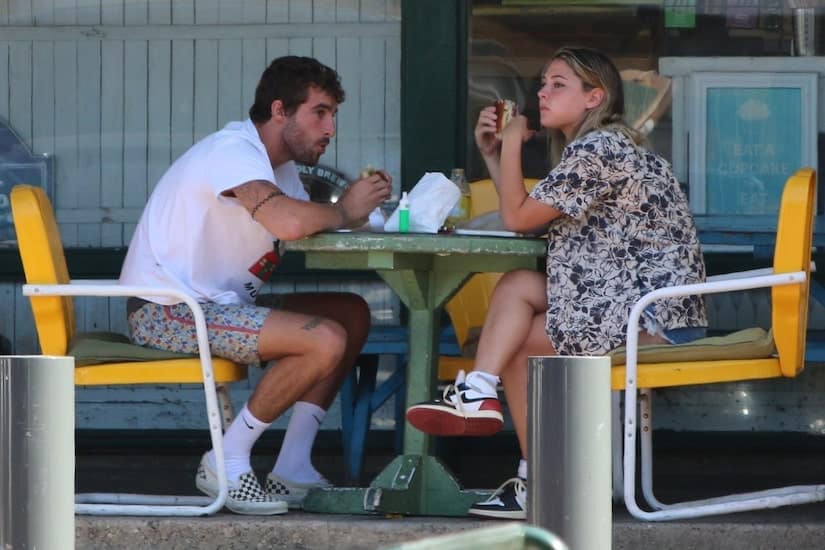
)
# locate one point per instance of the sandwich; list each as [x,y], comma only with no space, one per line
[505,111]
[368,171]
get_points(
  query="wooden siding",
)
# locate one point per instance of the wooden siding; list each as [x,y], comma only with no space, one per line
[116,90]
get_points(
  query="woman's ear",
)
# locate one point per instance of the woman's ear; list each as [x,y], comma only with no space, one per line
[595,98]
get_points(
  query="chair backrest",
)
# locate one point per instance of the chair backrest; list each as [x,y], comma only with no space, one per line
[468,308]
[41,251]
[484,198]
[789,303]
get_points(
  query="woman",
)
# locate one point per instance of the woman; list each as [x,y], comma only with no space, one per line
[618,227]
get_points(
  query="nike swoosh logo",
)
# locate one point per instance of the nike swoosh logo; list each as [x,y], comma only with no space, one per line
[472,399]
[316,419]
[247,423]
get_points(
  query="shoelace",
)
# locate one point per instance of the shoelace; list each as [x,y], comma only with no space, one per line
[518,487]
[450,395]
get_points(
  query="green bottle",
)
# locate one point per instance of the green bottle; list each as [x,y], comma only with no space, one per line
[404,214]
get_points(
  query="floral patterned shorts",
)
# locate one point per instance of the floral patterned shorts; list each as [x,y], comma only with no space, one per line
[232,329]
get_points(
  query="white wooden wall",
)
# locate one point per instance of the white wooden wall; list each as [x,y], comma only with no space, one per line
[116,90]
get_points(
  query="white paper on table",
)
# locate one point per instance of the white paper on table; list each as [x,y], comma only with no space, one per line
[431,200]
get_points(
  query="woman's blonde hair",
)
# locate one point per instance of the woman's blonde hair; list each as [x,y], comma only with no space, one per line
[596,70]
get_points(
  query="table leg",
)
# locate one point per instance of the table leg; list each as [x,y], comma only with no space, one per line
[410,485]
[414,483]
[421,374]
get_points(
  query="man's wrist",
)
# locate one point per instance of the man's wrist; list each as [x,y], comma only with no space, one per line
[342,214]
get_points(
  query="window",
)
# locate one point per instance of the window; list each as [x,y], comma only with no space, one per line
[510,40]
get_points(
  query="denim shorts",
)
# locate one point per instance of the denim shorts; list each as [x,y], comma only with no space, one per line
[232,329]
[681,335]
[685,334]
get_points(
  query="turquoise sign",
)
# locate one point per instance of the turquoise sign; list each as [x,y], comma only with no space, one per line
[753,143]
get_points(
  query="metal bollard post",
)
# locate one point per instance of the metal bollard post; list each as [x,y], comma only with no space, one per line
[568,463]
[37,452]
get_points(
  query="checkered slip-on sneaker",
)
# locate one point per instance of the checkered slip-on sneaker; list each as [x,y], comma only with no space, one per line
[246,497]
[293,493]
[508,502]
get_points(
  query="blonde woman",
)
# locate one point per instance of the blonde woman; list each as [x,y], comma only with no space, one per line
[618,226]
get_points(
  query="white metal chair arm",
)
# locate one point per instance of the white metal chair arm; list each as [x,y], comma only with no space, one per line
[113,288]
[746,282]
[94,282]
[749,273]
[106,288]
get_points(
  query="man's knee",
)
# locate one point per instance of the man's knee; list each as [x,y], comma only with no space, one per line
[332,344]
[359,308]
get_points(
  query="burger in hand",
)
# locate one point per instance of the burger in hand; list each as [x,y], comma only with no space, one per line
[505,111]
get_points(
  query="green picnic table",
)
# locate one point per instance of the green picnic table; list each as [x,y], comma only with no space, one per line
[424,270]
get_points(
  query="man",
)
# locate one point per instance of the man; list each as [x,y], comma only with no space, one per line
[208,229]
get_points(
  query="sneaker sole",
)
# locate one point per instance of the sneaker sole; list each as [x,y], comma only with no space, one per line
[437,421]
[246,508]
[498,514]
[297,492]
[293,502]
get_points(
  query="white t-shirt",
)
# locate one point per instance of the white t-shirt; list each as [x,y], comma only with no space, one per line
[207,245]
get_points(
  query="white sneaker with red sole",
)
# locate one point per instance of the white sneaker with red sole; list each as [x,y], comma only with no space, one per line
[462,410]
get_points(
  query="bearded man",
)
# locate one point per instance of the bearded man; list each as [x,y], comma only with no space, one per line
[212,228]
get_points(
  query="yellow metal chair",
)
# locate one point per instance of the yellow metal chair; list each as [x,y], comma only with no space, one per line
[468,307]
[50,292]
[704,363]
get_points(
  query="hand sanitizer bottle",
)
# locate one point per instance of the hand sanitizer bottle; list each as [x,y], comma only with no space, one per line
[404,214]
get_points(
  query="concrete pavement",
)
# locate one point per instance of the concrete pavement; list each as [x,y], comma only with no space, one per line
[800,528]
[681,472]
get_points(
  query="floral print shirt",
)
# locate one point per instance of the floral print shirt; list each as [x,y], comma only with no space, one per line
[625,230]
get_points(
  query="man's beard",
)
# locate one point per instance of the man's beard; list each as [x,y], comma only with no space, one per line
[296,142]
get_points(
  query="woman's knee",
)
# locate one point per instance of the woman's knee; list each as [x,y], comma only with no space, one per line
[515,275]
[523,285]
[520,279]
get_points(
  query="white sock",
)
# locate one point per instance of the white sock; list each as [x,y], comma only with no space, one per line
[294,460]
[483,382]
[522,469]
[237,444]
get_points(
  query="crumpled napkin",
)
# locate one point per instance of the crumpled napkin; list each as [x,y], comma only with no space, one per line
[431,200]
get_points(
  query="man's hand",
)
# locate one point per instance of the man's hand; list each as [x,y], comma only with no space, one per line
[363,196]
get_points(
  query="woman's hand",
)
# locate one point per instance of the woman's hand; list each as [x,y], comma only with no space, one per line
[485,132]
[517,128]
